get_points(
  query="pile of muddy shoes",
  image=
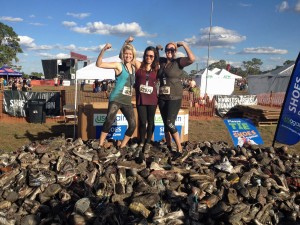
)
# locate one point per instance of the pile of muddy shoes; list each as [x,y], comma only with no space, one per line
[64,181]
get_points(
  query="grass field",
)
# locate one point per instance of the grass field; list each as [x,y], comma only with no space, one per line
[14,135]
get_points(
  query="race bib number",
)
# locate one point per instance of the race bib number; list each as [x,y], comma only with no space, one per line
[164,90]
[146,89]
[127,91]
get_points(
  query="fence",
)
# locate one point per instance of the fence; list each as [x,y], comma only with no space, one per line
[198,108]
[271,99]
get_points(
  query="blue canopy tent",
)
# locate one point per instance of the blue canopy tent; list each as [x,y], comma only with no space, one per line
[9,72]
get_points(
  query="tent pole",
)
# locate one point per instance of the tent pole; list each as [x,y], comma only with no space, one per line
[75,106]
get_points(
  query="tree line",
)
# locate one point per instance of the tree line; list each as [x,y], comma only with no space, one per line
[251,67]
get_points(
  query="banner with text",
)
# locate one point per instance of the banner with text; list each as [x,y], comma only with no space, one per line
[224,103]
[243,131]
[288,127]
[117,130]
[15,103]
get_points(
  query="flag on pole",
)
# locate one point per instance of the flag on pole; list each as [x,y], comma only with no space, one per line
[288,127]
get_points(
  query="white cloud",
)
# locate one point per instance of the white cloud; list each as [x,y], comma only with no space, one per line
[219,38]
[123,29]
[69,23]
[284,6]
[37,24]
[62,56]
[11,19]
[27,43]
[54,56]
[297,6]
[79,15]
[245,4]
[263,50]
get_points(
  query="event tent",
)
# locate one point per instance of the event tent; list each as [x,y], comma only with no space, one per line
[216,82]
[92,72]
[9,72]
[274,81]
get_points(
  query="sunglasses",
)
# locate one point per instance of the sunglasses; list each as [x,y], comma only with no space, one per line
[170,50]
[150,56]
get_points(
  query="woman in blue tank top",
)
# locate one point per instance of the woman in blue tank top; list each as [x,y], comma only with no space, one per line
[120,97]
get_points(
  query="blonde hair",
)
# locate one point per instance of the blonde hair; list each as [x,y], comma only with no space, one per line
[172,43]
[130,47]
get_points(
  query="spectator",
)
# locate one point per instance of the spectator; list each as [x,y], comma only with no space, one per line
[56,81]
[82,85]
[24,86]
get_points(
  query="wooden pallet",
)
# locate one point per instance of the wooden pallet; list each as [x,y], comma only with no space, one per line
[261,115]
[267,123]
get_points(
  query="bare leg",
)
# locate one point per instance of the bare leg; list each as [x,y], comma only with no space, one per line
[102,138]
[177,141]
[124,142]
[168,138]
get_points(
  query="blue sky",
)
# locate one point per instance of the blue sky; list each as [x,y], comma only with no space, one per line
[241,29]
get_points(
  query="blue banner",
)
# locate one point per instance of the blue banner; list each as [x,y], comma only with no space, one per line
[243,131]
[288,128]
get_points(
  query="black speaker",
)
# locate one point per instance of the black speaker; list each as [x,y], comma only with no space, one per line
[36,109]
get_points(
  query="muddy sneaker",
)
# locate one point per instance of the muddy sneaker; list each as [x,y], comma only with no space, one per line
[78,219]
[83,153]
[30,220]
[131,164]
[40,149]
[91,177]
[232,196]
[5,221]
[225,166]
[134,145]
[147,199]
[37,177]
[82,205]
[176,216]
[147,148]
[29,160]
[52,190]
[8,177]
[139,208]
[129,184]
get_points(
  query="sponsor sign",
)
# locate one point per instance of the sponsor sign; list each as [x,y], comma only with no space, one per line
[159,131]
[288,127]
[243,131]
[117,130]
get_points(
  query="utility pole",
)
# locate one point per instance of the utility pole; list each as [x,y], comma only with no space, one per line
[211,12]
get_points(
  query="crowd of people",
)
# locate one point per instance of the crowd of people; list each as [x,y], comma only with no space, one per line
[16,83]
[101,86]
[157,82]
[242,84]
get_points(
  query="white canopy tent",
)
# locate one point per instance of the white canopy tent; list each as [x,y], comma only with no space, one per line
[92,72]
[216,82]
